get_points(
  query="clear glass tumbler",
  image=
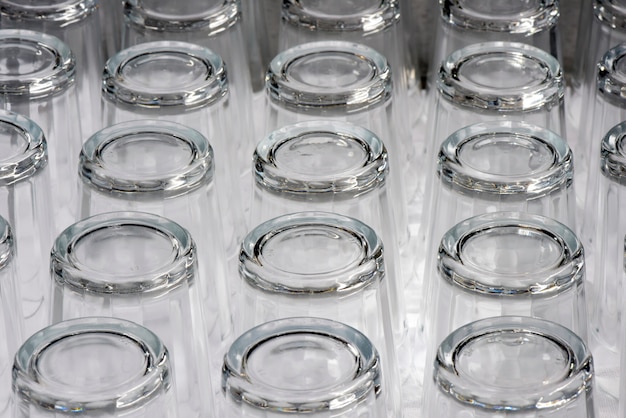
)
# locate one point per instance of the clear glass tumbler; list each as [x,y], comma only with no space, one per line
[187,84]
[11,317]
[25,199]
[303,367]
[78,23]
[605,252]
[93,367]
[213,24]
[37,80]
[143,268]
[165,169]
[331,166]
[466,22]
[322,265]
[340,81]
[512,366]
[507,263]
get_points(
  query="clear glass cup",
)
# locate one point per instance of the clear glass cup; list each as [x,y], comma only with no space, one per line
[78,23]
[500,166]
[143,268]
[37,80]
[11,317]
[166,169]
[465,22]
[512,366]
[498,80]
[304,367]
[605,108]
[331,166]
[25,198]
[491,81]
[375,23]
[93,367]
[507,263]
[323,265]
[187,84]
[218,26]
[605,253]
[339,81]
[602,26]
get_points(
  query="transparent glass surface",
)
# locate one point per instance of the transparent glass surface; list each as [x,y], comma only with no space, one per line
[513,365]
[339,81]
[501,76]
[506,263]
[218,26]
[331,167]
[323,265]
[79,24]
[211,16]
[196,95]
[304,365]
[166,169]
[136,76]
[60,11]
[605,251]
[93,367]
[11,316]
[142,268]
[24,202]
[364,16]
[508,16]
[37,80]
[345,76]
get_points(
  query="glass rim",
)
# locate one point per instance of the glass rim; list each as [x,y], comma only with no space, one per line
[548,92]
[134,394]
[543,15]
[610,81]
[564,273]
[64,13]
[95,172]
[53,79]
[467,179]
[576,383]
[241,386]
[385,15]
[610,14]
[67,269]
[205,91]
[352,277]
[33,158]
[349,182]
[215,20]
[284,90]
[613,154]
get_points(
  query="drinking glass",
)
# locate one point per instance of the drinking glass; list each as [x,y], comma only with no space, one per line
[605,251]
[37,80]
[340,81]
[187,84]
[165,169]
[512,366]
[323,265]
[11,317]
[305,367]
[79,24]
[143,268]
[93,367]
[507,263]
[25,204]
[218,26]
